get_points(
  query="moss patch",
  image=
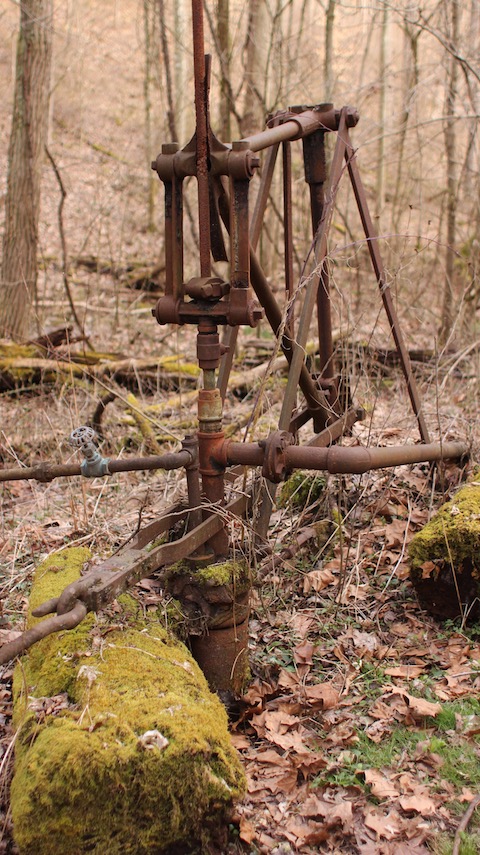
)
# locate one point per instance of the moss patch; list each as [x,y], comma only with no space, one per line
[301,490]
[445,558]
[138,761]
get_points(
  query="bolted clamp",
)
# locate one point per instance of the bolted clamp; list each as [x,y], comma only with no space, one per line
[274,461]
[93,465]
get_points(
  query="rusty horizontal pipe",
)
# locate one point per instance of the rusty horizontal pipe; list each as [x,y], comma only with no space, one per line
[49,471]
[352,460]
[299,126]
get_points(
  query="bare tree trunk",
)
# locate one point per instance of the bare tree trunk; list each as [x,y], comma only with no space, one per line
[256,48]
[149,34]
[223,35]
[382,117]
[25,155]
[450,151]
[180,57]
[328,74]
[411,80]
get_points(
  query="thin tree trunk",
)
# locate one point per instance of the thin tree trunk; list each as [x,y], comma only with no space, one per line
[25,156]
[223,36]
[328,72]
[256,48]
[180,55]
[411,78]
[149,26]
[450,151]
[382,109]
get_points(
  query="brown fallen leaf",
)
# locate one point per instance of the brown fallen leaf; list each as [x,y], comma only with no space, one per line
[407,672]
[395,533]
[303,653]
[388,826]
[381,786]
[247,831]
[322,693]
[317,580]
[240,741]
[7,635]
[419,707]
[418,803]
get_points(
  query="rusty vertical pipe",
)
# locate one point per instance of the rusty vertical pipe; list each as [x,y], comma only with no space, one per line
[201,134]
[315,176]
[287,221]
[231,333]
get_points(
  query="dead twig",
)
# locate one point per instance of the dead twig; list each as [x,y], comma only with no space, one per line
[66,282]
[463,824]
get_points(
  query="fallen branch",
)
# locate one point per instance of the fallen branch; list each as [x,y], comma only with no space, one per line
[63,240]
[463,824]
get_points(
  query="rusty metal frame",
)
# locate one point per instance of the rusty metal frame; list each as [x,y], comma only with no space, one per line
[223,173]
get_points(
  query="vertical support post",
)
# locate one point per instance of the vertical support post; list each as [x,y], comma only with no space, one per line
[315,176]
[173,229]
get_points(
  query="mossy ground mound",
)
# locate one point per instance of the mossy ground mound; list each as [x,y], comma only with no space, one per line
[301,490]
[445,557]
[136,758]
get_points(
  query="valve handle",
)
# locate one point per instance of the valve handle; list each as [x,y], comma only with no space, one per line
[93,465]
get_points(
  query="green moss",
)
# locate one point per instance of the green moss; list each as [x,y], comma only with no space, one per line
[84,778]
[234,573]
[453,534]
[10,350]
[224,573]
[301,490]
[445,561]
[178,366]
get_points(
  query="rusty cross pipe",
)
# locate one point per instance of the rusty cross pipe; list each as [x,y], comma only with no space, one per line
[49,471]
[338,459]
[298,125]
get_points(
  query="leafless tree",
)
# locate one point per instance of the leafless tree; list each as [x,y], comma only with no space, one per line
[25,156]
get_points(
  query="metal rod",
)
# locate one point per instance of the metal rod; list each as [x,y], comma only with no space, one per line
[372,243]
[231,333]
[262,197]
[315,175]
[49,471]
[287,222]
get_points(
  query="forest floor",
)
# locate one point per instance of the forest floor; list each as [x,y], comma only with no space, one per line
[359,732]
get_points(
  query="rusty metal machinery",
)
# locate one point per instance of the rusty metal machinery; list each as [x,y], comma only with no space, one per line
[223,173]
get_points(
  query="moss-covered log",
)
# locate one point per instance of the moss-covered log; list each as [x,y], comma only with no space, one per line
[445,557]
[121,746]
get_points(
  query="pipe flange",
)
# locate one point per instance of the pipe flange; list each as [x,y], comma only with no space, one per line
[274,461]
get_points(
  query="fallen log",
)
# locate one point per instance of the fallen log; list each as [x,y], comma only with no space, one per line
[27,365]
[121,747]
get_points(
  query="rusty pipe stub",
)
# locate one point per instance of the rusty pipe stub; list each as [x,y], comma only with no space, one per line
[210,409]
[223,657]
